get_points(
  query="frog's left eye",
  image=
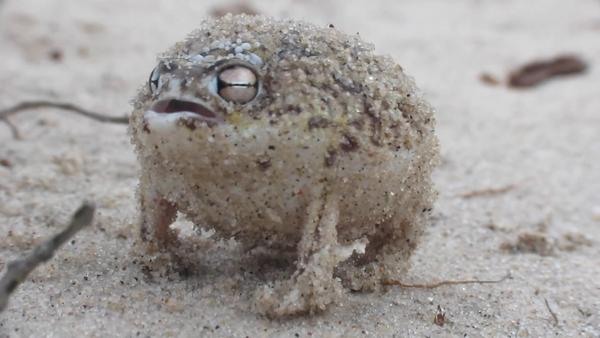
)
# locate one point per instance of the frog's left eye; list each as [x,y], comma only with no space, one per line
[154,77]
[237,84]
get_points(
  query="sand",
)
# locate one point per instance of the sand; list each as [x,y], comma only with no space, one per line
[542,145]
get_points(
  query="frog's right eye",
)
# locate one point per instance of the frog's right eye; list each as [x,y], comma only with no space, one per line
[154,77]
[237,84]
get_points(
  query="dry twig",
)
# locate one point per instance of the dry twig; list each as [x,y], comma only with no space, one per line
[442,283]
[18,270]
[536,72]
[27,105]
[13,129]
[489,191]
[554,316]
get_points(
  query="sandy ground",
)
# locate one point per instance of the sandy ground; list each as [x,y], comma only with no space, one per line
[542,143]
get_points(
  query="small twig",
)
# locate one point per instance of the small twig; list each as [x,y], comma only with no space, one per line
[442,283]
[27,105]
[554,316]
[488,192]
[64,106]
[18,270]
[13,129]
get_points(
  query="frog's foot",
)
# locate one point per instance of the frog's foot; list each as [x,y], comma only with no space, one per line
[156,216]
[387,256]
[312,287]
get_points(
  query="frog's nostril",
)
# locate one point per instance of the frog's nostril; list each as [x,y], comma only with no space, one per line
[171,106]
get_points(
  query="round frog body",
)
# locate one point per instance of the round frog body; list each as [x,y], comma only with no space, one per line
[288,136]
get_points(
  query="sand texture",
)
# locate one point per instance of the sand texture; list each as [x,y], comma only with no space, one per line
[519,180]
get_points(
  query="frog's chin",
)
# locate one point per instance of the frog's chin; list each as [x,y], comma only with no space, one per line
[172,110]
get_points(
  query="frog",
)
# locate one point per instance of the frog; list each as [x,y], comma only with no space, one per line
[285,135]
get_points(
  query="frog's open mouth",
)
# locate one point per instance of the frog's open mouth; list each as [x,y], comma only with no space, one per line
[171,106]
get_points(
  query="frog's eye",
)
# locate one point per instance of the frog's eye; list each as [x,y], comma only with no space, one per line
[237,84]
[154,77]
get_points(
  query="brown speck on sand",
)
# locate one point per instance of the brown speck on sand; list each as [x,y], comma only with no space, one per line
[5,163]
[440,316]
[489,79]
[173,305]
[83,51]
[56,55]
[92,27]
[241,7]
[536,72]
[530,242]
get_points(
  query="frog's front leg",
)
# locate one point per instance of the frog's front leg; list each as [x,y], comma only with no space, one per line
[156,215]
[312,286]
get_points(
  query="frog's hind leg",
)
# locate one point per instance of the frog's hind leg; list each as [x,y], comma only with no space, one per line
[156,216]
[312,286]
